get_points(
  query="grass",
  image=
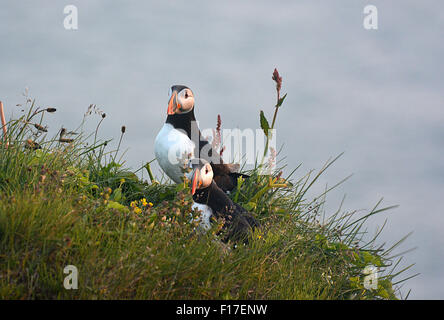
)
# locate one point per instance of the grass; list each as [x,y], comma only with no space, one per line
[69,203]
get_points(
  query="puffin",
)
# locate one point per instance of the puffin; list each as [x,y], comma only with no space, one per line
[239,223]
[202,172]
[174,148]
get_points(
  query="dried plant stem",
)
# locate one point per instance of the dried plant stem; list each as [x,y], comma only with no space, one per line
[276,107]
[97,130]
[118,146]
[278,80]
[2,113]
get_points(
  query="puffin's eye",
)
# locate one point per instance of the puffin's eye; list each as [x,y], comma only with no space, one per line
[186,94]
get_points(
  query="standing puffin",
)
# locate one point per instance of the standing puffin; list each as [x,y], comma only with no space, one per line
[239,223]
[174,147]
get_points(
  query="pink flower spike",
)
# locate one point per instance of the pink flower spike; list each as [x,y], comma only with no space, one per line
[277,78]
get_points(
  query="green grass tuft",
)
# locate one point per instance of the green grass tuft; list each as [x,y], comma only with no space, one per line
[69,203]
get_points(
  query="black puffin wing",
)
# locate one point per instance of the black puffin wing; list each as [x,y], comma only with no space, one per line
[224,177]
[248,216]
[252,221]
[236,175]
[238,229]
[224,181]
[232,167]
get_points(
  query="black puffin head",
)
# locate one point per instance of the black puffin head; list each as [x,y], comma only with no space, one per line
[181,100]
[202,176]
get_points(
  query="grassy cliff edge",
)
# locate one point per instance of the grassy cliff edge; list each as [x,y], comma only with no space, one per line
[64,202]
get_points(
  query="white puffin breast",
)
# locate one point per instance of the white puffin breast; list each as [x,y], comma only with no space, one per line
[173,148]
[206,214]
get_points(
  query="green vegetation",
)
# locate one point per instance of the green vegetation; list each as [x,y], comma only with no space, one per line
[64,202]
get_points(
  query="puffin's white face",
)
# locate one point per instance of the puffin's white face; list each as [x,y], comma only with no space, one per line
[186,99]
[202,177]
[180,102]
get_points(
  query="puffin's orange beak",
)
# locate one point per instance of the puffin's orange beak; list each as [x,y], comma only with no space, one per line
[172,103]
[194,183]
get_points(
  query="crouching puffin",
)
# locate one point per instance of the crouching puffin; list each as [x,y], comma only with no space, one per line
[239,223]
[202,175]
[174,147]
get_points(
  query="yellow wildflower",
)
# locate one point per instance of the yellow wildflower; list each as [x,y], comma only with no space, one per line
[133,204]
[137,210]
[144,203]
